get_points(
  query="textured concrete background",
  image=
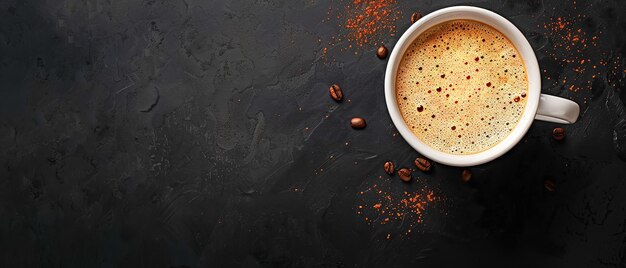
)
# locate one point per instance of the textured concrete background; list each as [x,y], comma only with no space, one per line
[201,134]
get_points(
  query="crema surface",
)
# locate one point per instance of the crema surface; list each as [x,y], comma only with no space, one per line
[461,87]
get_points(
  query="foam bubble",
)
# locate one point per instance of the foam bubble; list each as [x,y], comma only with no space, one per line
[461,87]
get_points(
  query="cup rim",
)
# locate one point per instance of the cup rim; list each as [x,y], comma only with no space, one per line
[517,39]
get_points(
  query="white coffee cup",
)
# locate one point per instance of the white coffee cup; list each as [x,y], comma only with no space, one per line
[538,106]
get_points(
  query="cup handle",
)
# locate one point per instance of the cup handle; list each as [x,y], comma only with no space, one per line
[557,110]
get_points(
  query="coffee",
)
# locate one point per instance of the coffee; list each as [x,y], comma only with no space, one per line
[461,87]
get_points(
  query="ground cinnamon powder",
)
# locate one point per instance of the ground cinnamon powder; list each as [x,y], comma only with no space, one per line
[368,22]
[381,204]
[573,46]
[361,24]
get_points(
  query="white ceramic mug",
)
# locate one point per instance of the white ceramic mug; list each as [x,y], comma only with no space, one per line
[538,106]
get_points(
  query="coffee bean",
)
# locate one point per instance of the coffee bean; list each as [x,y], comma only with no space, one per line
[415,16]
[405,175]
[335,92]
[382,52]
[558,133]
[422,164]
[357,122]
[550,185]
[466,175]
[389,167]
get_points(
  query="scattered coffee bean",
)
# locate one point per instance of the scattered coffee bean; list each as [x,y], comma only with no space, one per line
[550,185]
[382,52]
[335,92]
[422,164]
[415,16]
[558,133]
[389,167]
[466,175]
[357,122]
[405,175]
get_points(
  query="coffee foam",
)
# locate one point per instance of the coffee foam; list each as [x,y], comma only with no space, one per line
[461,87]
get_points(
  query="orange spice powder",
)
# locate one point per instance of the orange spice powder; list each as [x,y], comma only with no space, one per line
[379,205]
[360,24]
[573,47]
[368,22]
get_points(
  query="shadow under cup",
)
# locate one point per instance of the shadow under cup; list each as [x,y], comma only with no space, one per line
[525,51]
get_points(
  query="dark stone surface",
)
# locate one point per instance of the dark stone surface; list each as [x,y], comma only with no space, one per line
[201,134]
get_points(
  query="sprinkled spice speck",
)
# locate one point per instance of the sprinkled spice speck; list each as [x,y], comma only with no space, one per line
[574,46]
[361,24]
[379,204]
